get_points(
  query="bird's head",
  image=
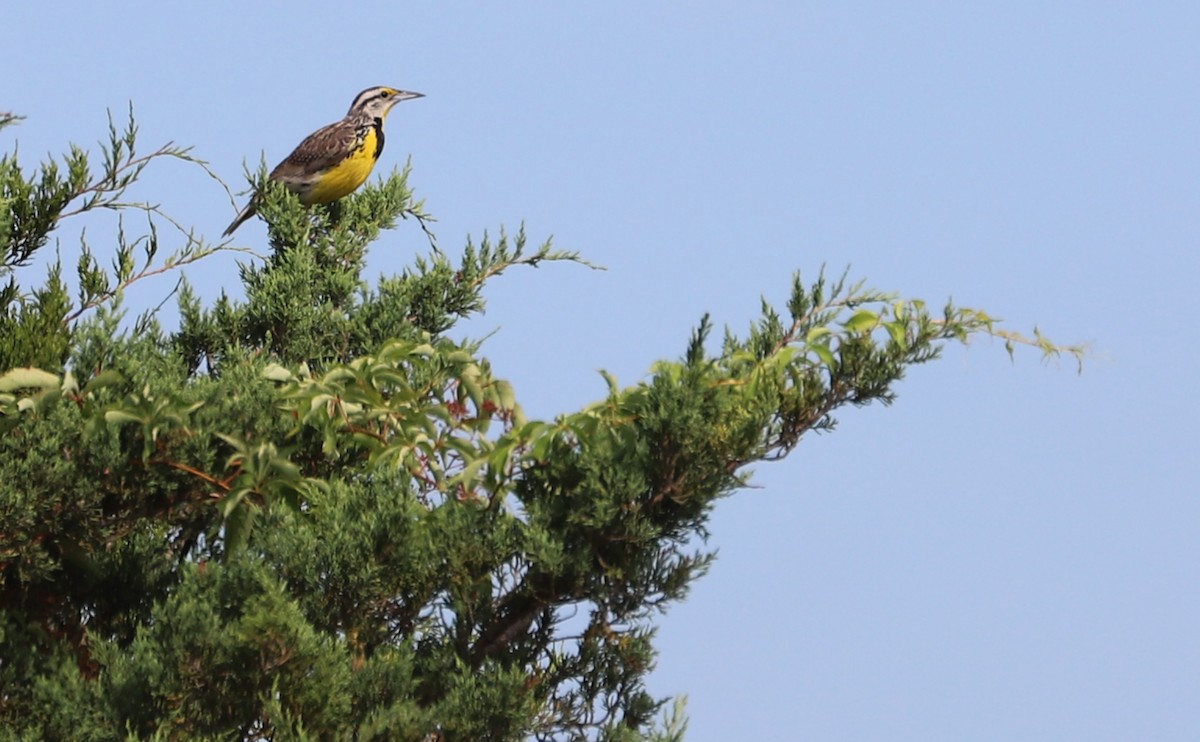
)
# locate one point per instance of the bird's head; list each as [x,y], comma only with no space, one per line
[376,102]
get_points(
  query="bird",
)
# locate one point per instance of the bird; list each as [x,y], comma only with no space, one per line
[335,160]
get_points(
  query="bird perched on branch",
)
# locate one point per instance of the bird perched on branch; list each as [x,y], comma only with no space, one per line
[335,160]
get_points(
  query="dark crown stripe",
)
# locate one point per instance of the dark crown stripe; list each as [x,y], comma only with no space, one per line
[362,98]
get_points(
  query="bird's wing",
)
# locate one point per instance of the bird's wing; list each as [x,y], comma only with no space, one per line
[319,151]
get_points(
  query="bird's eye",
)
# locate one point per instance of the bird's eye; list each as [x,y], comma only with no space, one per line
[385,94]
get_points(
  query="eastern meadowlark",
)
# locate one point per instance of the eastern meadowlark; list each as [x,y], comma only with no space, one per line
[336,159]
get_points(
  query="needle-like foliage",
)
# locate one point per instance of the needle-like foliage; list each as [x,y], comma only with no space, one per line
[308,513]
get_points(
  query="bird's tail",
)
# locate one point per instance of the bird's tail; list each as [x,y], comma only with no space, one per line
[242,216]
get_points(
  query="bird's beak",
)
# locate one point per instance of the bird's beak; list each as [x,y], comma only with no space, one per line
[402,95]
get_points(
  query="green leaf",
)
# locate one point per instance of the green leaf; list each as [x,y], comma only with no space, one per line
[899,332]
[505,396]
[817,333]
[28,378]
[470,384]
[275,372]
[861,321]
[824,354]
[102,380]
[120,417]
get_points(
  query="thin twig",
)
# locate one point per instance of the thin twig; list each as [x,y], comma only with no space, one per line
[171,264]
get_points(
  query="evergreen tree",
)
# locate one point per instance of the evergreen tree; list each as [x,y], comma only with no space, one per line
[307,513]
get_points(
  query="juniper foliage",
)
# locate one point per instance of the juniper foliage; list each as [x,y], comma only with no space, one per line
[307,513]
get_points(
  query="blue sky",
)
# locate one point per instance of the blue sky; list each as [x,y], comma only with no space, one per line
[1009,551]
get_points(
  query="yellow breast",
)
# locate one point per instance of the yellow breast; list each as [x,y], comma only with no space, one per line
[349,174]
